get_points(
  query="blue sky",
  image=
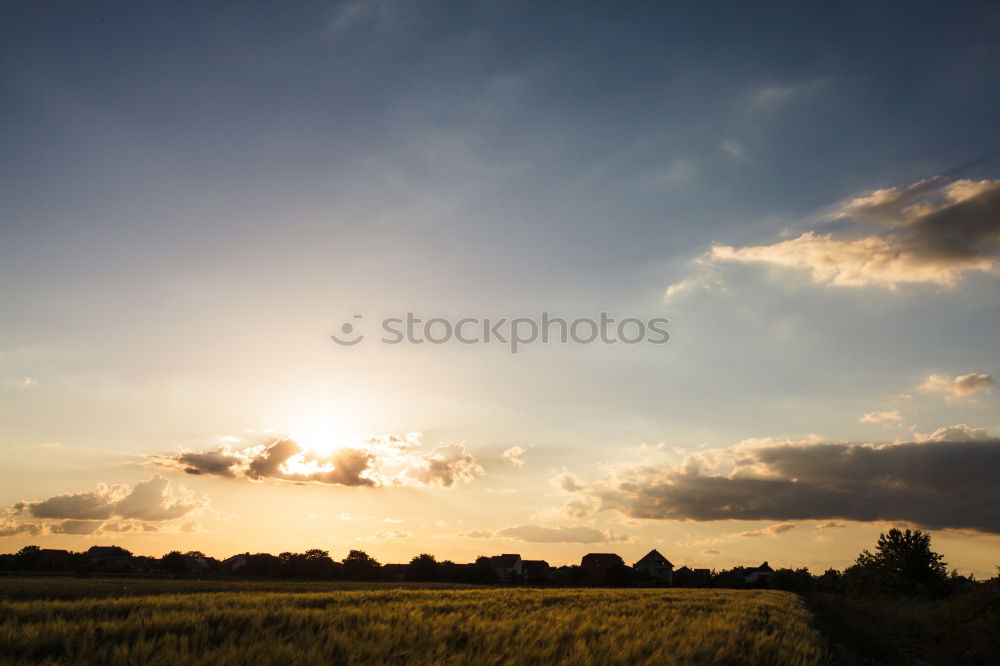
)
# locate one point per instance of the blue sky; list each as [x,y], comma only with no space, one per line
[194,196]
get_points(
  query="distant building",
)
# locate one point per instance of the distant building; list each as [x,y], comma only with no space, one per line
[654,565]
[109,557]
[687,577]
[535,571]
[394,572]
[683,577]
[53,559]
[596,565]
[757,574]
[702,577]
[507,567]
[235,563]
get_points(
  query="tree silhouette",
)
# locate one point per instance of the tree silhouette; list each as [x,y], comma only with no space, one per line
[174,562]
[902,564]
[28,557]
[423,567]
[359,565]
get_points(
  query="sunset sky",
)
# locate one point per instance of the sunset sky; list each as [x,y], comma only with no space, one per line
[196,196]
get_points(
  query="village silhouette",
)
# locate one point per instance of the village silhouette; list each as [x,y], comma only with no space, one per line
[653,569]
[902,564]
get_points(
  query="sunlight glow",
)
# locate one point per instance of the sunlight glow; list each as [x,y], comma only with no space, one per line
[321,436]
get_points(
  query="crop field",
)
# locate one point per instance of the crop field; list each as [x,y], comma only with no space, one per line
[143,623]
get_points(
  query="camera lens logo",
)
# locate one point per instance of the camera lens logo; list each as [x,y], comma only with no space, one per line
[348,330]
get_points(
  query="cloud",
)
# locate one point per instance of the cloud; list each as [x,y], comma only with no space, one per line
[956,433]
[565,534]
[771,96]
[393,534]
[139,507]
[152,501]
[383,460]
[707,541]
[830,525]
[881,417]
[513,454]
[445,466]
[478,534]
[931,232]
[11,527]
[770,530]
[735,150]
[959,387]
[543,534]
[949,480]
[76,527]
[710,552]
[362,13]
[94,504]
[707,280]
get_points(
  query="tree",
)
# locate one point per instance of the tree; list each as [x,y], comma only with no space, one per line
[359,565]
[423,567]
[902,564]
[318,563]
[28,558]
[829,581]
[482,572]
[262,564]
[174,562]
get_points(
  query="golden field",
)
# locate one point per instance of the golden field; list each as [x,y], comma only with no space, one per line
[139,622]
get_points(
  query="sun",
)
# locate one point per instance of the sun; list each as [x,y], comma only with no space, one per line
[320,437]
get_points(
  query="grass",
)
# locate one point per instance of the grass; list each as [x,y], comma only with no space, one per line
[963,630]
[68,587]
[280,623]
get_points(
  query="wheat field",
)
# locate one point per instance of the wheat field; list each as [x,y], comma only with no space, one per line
[382,625]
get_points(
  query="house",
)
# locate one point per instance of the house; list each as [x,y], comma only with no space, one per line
[235,563]
[507,567]
[109,557]
[757,574]
[535,571]
[394,572]
[654,565]
[597,565]
[53,559]
[687,577]
[683,577]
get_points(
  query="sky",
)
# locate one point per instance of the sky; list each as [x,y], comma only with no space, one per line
[194,197]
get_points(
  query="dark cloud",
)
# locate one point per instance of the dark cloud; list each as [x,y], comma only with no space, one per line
[218,463]
[936,483]
[376,461]
[139,507]
[933,231]
[76,527]
[967,225]
[94,504]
